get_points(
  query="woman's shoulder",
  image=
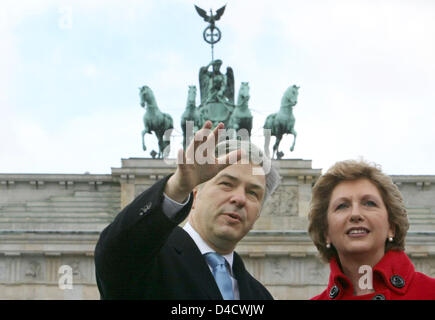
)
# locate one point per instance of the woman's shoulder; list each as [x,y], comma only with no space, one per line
[423,285]
[420,277]
[323,296]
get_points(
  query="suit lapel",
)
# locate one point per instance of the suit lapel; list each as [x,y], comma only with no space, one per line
[242,280]
[194,262]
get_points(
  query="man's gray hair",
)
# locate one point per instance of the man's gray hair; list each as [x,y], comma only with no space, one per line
[255,156]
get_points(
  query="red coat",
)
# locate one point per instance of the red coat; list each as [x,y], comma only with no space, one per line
[394,278]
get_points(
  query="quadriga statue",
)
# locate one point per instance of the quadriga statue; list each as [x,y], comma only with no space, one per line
[217,93]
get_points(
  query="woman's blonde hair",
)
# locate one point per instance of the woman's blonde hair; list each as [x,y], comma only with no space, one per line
[348,171]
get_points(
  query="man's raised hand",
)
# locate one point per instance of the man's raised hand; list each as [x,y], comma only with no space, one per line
[199,163]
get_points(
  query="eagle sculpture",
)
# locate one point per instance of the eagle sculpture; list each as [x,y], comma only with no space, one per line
[210,18]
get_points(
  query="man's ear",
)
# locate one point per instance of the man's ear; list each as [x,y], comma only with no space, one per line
[195,194]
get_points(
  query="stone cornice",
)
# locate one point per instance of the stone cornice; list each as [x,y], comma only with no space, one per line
[154,169]
[46,242]
[413,178]
[18,177]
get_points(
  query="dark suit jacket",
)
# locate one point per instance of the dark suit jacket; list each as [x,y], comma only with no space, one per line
[143,254]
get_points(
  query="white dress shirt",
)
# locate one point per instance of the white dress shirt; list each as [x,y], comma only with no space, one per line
[170,209]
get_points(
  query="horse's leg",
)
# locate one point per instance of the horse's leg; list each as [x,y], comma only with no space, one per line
[249,125]
[183,128]
[266,133]
[144,131]
[294,139]
[276,145]
[161,146]
[196,123]
[245,131]
[236,128]
[161,143]
[166,146]
[165,139]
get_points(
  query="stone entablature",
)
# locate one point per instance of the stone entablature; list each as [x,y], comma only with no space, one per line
[19,188]
[285,261]
[55,202]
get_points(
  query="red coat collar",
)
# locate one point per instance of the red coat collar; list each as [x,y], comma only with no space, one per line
[394,265]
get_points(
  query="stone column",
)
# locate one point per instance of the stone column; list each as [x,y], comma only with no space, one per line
[305,186]
[127,183]
[137,174]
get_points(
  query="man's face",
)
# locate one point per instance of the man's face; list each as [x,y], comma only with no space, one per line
[226,207]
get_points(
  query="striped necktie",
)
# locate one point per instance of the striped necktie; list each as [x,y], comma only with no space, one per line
[221,274]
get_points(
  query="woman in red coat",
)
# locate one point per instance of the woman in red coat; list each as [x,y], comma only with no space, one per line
[358,222]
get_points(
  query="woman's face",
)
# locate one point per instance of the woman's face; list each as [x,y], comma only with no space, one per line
[358,220]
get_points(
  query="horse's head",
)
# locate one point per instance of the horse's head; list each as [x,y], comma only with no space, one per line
[191,96]
[243,93]
[290,96]
[146,95]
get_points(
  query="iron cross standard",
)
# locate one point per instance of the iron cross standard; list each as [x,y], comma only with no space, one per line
[211,33]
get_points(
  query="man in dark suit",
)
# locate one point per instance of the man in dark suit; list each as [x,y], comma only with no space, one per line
[144,254]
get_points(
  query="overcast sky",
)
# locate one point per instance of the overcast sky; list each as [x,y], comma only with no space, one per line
[70,72]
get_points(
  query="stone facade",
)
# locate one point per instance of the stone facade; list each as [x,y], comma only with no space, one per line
[50,223]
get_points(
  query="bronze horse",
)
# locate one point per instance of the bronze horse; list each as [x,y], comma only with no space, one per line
[241,118]
[282,122]
[155,120]
[191,113]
